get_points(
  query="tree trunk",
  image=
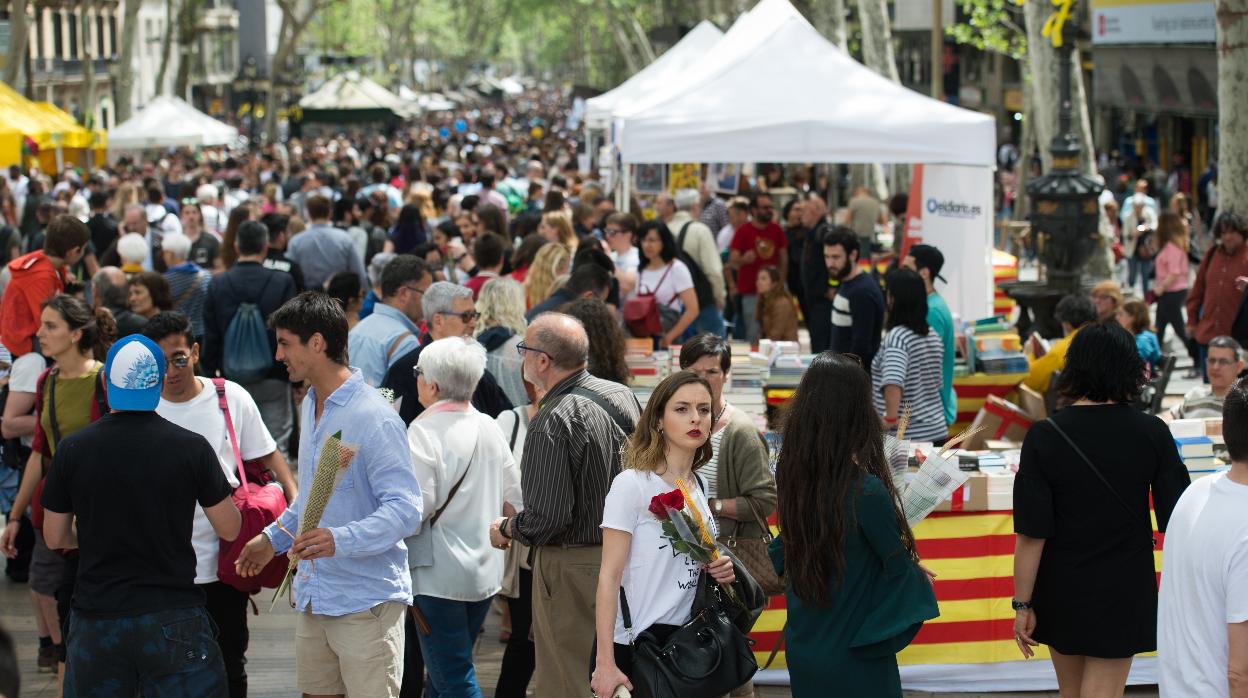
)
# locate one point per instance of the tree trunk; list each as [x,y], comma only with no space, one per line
[643,42]
[188,45]
[1232,123]
[124,76]
[620,35]
[18,33]
[1044,66]
[829,18]
[287,39]
[878,55]
[1027,144]
[166,48]
[85,24]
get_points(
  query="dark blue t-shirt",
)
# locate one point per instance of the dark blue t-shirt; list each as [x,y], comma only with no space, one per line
[858,318]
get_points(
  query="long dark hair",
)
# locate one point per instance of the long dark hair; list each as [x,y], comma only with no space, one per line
[606,346]
[99,329]
[409,232]
[668,252]
[907,305]
[832,440]
[238,216]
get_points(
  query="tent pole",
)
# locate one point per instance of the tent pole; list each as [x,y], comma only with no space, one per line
[625,186]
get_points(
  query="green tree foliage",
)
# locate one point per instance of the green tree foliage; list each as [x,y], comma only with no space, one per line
[992,25]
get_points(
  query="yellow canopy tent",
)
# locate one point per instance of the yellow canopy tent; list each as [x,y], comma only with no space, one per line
[48,126]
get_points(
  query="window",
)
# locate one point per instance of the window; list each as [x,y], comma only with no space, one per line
[39,47]
[58,41]
[74,46]
[99,36]
[112,32]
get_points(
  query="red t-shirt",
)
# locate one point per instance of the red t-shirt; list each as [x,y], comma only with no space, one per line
[766,244]
[476,282]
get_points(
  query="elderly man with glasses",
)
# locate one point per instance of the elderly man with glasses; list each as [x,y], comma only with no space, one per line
[393,328]
[449,312]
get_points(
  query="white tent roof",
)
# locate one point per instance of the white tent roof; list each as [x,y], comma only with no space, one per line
[686,52]
[349,91]
[774,90]
[169,122]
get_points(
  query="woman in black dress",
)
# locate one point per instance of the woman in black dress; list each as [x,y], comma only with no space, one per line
[1084,579]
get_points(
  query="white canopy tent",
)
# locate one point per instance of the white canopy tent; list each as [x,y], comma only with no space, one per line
[774,90]
[664,69]
[349,91]
[169,122]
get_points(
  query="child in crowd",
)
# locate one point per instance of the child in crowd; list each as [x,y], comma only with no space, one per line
[777,308]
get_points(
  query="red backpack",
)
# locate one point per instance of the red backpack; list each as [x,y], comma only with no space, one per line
[260,502]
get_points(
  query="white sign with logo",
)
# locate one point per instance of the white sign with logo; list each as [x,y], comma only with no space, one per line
[1143,22]
[953,212]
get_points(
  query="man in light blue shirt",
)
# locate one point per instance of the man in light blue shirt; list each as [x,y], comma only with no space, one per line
[352,585]
[392,329]
[927,261]
[323,250]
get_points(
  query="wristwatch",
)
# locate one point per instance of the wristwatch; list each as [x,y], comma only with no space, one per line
[1020,605]
[719,506]
[502,528]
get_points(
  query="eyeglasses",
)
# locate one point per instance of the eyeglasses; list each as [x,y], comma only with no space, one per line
[615,231]
[1220,362]
[521,347]
[180,361]
[413,289]
[417,372]
[465,317]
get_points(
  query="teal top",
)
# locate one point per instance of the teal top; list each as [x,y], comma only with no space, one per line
[1148,347]
[940,319]
[867,616]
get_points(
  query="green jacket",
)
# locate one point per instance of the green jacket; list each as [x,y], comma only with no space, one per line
[744,475]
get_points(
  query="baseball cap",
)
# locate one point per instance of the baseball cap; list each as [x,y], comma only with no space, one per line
[135,372]
[929,258]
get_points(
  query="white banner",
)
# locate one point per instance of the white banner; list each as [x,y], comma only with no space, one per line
[951,209]
[1136,22]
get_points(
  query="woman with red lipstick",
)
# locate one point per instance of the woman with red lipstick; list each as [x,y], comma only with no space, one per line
[671,440]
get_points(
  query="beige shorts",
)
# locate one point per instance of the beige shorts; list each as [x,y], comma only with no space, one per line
[360,654]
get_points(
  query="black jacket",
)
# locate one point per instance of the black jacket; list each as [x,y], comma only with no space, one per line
[245,282]
[128,322]
[814,270]
[557,300]
[277,261]
[488,398]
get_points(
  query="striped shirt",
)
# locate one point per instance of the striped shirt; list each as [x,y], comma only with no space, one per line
[188,286]
[912,363]
[571,454]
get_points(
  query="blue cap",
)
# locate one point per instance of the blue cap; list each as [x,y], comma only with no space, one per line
[135,372]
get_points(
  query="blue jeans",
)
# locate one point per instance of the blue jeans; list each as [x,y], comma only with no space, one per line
[165,654]
[749,304]
[448,647]
[1142,268]
[709,319]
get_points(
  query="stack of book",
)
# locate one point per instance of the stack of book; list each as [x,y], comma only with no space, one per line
[647,367]
[993,347]
[1197,455]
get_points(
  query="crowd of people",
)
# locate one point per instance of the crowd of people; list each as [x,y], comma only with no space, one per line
[441,323]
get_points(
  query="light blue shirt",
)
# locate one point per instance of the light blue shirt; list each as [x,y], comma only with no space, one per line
[378,341]
[374,507]
[323,251]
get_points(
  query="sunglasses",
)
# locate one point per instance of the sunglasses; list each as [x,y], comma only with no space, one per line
[464,317]
[180,361]
[521,347]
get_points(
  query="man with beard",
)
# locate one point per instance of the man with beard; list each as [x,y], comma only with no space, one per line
[858,308]
[758,243]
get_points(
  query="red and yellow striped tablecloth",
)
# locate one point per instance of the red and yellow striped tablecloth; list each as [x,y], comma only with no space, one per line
[972,554]
[974,389]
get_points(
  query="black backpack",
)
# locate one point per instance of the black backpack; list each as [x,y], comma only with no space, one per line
[701,285]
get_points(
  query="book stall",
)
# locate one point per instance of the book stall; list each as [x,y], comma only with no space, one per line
[959,501]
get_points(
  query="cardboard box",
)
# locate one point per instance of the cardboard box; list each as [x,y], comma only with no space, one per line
[971,496]
[1032,403]
[1001,420]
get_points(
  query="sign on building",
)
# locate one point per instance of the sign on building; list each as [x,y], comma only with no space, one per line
[1145,22]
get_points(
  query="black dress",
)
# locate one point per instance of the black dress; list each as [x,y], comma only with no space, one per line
[1096,589]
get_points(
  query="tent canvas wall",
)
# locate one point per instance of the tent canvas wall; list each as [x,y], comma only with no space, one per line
[352,98]
[169,122]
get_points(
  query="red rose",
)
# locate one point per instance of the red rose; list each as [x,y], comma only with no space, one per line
[660,503]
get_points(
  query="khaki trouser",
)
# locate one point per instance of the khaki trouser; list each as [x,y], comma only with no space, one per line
[565,581]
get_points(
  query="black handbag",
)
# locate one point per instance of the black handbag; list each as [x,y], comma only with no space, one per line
[706,657]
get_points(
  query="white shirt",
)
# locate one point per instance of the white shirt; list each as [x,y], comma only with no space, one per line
[442,440]
[24,378]
[723,239]
[659,583]
[1204,587]
[628,260]
[666,290]
[201,415]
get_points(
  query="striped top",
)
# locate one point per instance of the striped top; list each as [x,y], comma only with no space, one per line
[571,454]
[913,363]
[188,286]
[709,472]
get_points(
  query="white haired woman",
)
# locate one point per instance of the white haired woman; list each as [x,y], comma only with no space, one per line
[467,476]
[188,283]
[132,250]
[500,327]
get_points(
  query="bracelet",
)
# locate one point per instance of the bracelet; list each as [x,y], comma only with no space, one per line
[888,420]
[1020,605]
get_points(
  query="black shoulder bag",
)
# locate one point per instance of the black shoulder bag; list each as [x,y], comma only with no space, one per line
[706,657]
[1152,541]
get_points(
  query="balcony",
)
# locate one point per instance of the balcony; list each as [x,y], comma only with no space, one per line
[60,69]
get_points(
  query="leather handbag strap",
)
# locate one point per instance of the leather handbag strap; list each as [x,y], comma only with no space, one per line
[653,291]
[612,411]
[778,646]
[515,430]
[455,488]
[219,384]
[395,345]
[758,516]
[1096,471]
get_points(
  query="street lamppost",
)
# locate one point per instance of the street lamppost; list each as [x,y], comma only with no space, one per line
[1065,214]
[250,72]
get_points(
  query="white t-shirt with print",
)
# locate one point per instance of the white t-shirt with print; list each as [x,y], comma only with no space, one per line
[659,582]
[1204,587]
[24,378]
[668,292]
[202,415]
